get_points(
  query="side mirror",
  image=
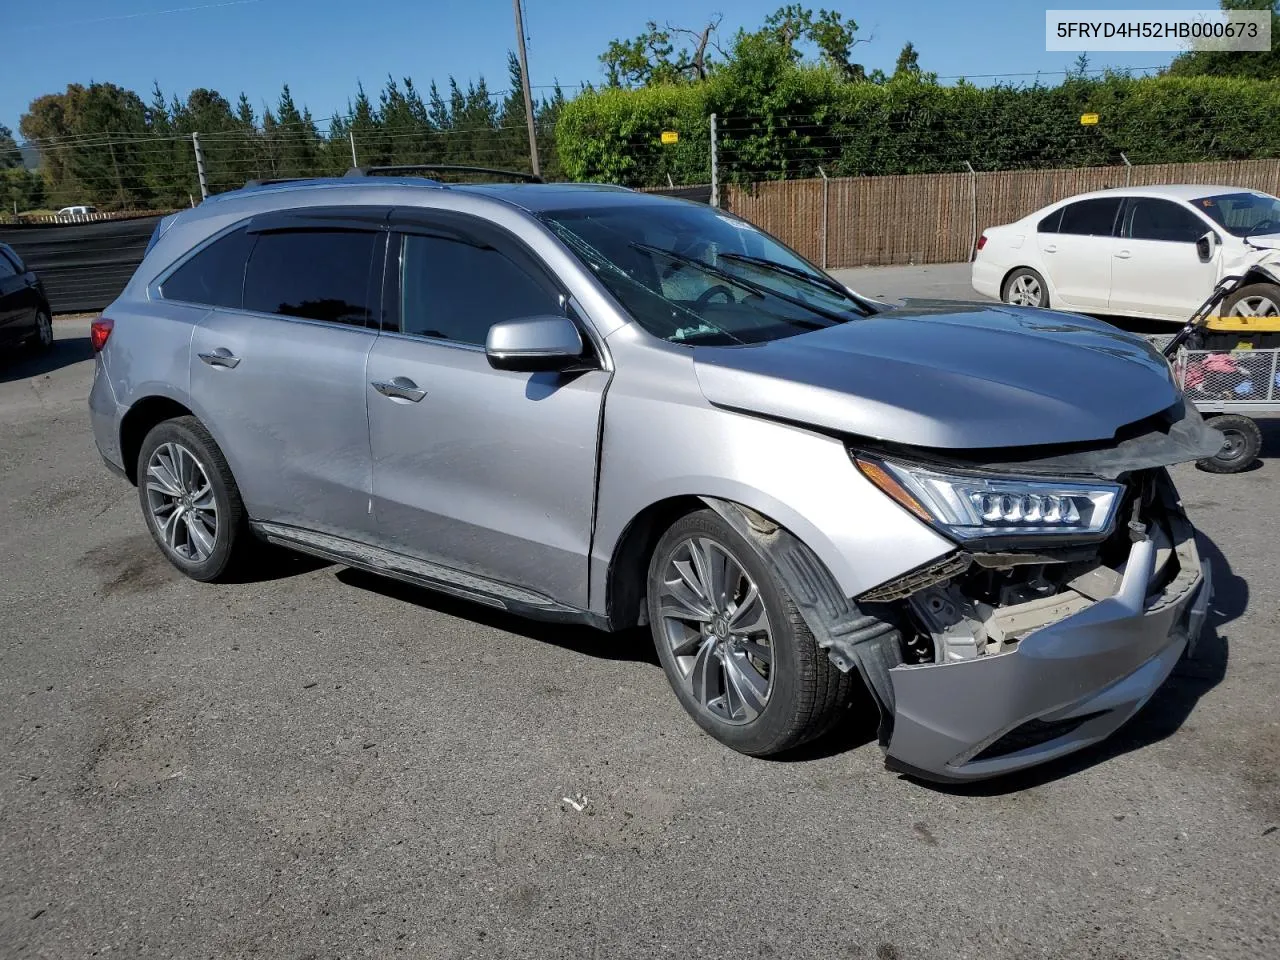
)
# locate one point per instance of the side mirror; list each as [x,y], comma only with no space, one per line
[534,345]
[1206,245]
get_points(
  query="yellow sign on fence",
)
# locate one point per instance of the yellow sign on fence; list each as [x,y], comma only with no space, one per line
[1088,119]
[670,136]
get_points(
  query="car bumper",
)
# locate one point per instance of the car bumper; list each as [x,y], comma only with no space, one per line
[104,418]
[1065,686]
[986,278]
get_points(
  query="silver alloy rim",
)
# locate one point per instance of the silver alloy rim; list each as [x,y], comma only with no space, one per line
[717,628]
[44,328]
[181,501]
[1255,307]
[1025,291]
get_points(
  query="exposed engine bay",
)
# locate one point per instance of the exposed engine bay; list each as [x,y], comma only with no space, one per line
[979,603]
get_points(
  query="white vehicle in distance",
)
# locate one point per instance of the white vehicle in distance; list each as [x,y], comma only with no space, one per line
[72,213]
[1153,252]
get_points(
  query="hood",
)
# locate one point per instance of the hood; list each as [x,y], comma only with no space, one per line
[949,377]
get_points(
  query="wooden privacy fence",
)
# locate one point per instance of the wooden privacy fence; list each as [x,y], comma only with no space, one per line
[935,217]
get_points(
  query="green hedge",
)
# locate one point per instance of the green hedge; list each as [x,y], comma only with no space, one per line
[789,122]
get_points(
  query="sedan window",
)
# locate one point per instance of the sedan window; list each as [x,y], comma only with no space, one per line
[1148,218]
[1091,218]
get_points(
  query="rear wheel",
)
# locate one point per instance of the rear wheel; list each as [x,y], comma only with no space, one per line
[1241,444]
[1025,288]
[190,500]
[734,647]
[43,339]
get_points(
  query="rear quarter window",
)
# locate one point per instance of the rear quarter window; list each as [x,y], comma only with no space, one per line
[214,276]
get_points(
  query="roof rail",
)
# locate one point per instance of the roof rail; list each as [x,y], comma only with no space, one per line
[271,180]
[442,168]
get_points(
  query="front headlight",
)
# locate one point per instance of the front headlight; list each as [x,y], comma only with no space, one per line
[969,506]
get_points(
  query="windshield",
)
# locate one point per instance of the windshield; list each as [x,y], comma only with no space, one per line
[690,273]
[1242,214]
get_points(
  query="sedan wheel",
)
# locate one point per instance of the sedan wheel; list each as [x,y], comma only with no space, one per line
[180,498]
[1256,306]
[1025,288]
[44,331]
[715,623]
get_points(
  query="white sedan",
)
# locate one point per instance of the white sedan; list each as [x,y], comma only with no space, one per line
[1153,252]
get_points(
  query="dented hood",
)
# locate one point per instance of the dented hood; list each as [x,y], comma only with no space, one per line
[955,376]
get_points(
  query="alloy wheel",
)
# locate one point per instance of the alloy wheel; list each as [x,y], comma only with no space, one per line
[717,628]
[180,498]
[44,329]
[1025,291]
[1255,307]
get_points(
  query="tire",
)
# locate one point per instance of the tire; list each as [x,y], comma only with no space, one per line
[1028,280]
[1241,445]
[1253,300]
[42,340]
[203,550]
[803,690]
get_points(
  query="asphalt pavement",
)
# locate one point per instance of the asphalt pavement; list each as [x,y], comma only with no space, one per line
[321,764]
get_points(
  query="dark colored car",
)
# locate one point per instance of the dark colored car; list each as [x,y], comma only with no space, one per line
[24,308]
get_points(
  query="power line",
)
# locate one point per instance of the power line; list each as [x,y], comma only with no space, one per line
[138,15]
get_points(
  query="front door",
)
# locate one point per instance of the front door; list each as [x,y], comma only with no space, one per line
[1156,270]
[487,471]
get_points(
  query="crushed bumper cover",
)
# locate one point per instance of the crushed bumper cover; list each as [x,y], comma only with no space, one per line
[1065,686]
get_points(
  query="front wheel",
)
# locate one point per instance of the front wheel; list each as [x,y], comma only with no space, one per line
[1241,444]
[1025,288]
[734,647]
[1253,300]
[43,339]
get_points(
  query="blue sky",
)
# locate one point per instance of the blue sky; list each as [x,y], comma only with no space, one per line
[321,48]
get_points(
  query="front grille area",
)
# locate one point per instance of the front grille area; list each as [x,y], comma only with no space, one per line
[1032,734]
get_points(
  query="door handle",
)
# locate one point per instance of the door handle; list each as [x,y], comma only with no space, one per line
[220,358]
[1123,255]
[1051,248]
[399,388]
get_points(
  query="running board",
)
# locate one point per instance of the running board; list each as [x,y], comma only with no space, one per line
[423,573]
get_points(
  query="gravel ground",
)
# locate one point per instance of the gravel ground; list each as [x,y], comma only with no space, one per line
[320,764]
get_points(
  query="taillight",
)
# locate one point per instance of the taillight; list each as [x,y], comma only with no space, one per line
[99,330]
[982,241]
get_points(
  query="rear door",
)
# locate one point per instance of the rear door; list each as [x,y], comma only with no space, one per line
[488,471]
[17,316]
[1156,271]
[279,376]
[1076,244]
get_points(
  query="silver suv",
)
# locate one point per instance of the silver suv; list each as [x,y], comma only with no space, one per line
[586,404]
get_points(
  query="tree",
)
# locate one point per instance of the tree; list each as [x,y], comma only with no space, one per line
[10,155]
[908,64]
[650,58]
[1256,65]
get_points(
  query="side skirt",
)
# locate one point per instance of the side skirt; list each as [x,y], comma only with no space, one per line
[423,573]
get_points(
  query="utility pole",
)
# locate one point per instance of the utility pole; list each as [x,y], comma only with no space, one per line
[119,183]
[524,82]
[200,171]
[352,135]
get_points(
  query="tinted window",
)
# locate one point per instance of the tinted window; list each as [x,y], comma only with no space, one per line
[316,274]
[1151,219]
[7,269]
[455,290]
[1090,217]
[1050,223]
[215,275]
[12,255]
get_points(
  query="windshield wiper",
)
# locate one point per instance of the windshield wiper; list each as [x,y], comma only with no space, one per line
[824,283]
[759,289]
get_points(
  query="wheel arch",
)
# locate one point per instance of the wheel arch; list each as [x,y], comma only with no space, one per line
[138,421]
[626,583]
[1044,278]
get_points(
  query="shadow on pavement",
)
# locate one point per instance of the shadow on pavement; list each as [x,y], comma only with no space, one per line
[21,363]
[627,645]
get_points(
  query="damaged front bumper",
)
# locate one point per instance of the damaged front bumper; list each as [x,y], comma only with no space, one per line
[1062,686]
